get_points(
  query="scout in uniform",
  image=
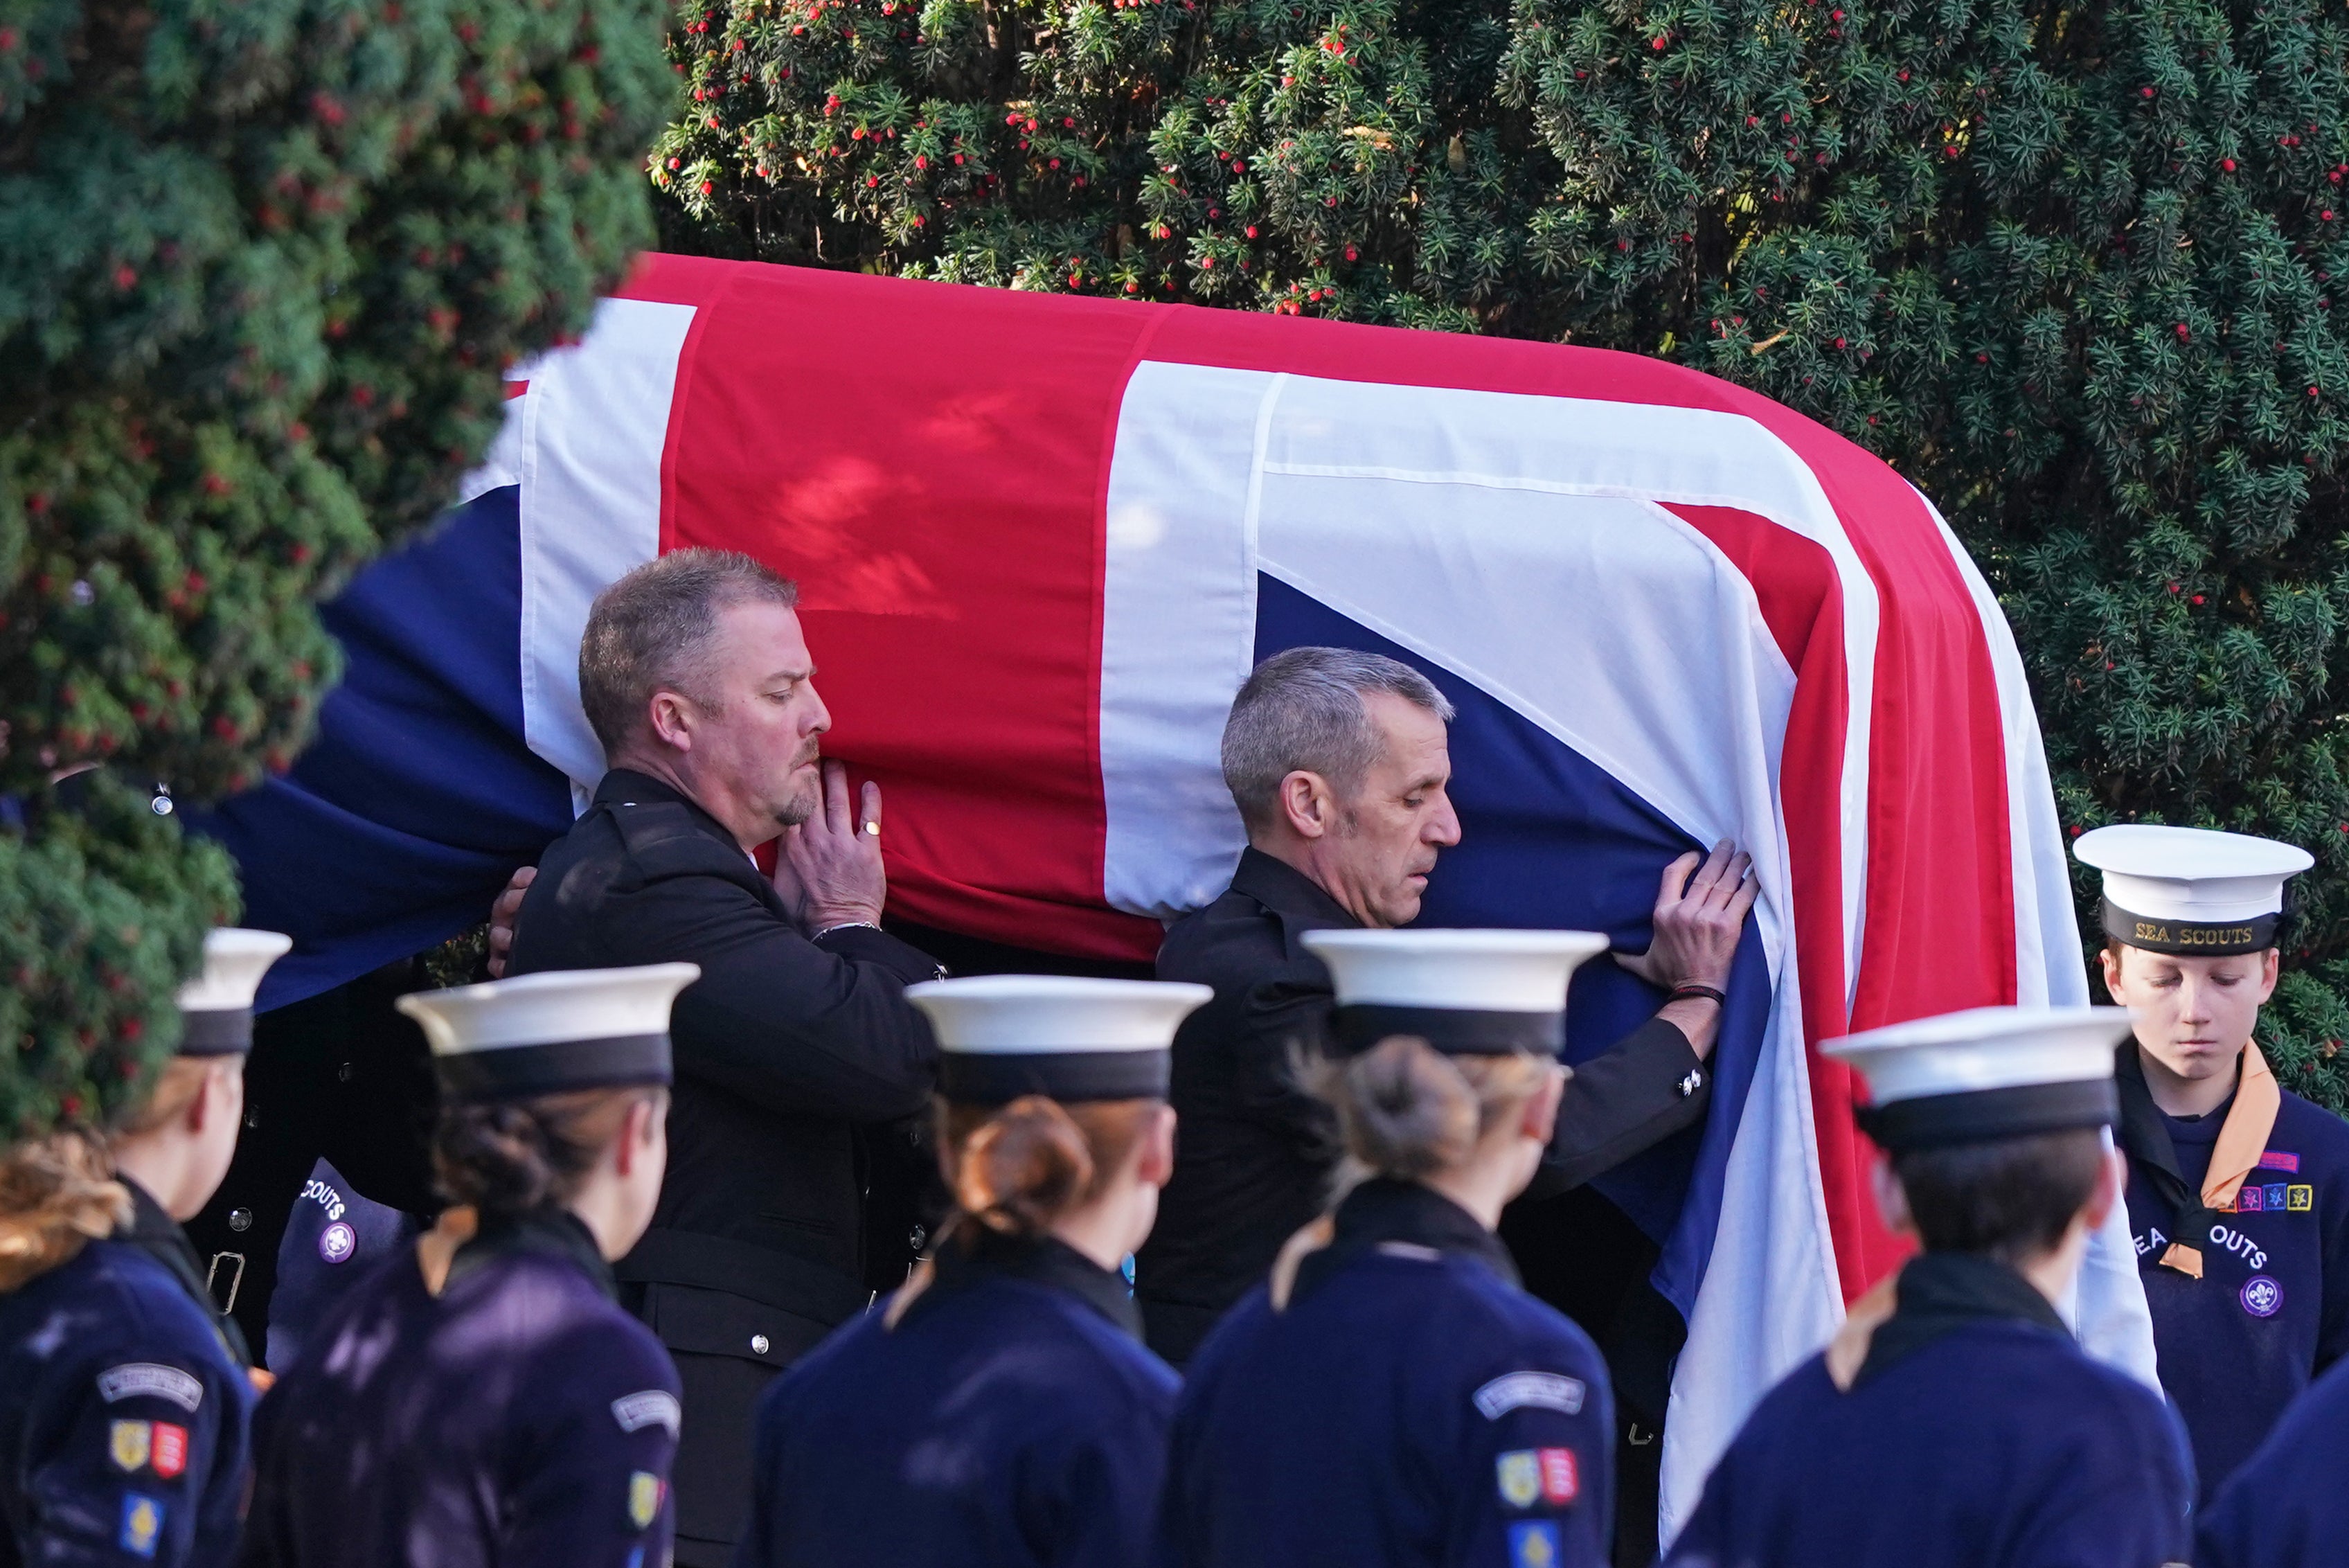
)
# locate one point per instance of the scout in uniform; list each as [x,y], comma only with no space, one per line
[1954,1421]
[2285,1506]
[1390,1397]
[334,1238]
[1000,1411]
[124,1394]
[2239,1189]
[481,1398]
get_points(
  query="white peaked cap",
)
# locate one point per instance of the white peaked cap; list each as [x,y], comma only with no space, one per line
[216,1007]
[1004,1035]
[551,1032]
[1988,1072]
[1505,990]
[2190,889]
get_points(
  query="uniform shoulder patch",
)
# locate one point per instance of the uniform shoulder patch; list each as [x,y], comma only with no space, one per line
[649,1407]
[134,1379]
[643,1498]
[128,1443]
[1540,1390]
[169,1455]
[142,1524]
[1520,1477]
[1533,1543]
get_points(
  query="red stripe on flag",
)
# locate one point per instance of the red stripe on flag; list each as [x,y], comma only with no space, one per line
[1801,600]
[944,527]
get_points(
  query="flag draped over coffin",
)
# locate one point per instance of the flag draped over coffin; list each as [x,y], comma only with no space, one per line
[1041,540]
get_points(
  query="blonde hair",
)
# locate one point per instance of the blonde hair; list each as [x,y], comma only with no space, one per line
[1017,1169]
[57,1193]
[1409,1111]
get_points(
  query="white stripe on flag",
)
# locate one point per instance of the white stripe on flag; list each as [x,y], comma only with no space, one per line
[1178,630]
[594,427]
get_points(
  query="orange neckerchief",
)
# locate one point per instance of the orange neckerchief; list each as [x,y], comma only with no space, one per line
[2241,1140]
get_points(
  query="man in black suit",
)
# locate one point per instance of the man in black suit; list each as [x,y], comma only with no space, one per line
[1338,761]
[796,1047]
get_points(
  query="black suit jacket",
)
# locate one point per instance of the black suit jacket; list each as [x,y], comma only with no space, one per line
[1253,1153]
[786,1051]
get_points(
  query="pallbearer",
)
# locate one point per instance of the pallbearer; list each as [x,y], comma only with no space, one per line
[999,1409]
[2239,1191]
[124,1393]
[1954,1421]
[481,1398]
[1390,1397]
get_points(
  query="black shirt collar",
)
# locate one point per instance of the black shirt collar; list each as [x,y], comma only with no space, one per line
[1383,1212]
[1940,1293]
[552,1233]
[973,1253]
[156,1234]
[623,785]
[1285,890]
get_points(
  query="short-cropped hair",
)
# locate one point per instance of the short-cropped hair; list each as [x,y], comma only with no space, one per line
[2011,1198]
[1303,711]
[651,630]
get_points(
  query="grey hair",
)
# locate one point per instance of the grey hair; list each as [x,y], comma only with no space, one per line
[650,631]
[1303,709]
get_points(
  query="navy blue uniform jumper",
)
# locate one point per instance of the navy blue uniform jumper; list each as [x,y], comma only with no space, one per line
[1010,1418]
[519,1419]
[124,1403]
[1975,1434]
[2286,1507]
[2271,1308]
[1407,1406]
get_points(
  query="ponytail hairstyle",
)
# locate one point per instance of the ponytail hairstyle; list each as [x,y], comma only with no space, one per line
[509,1158]
[1017,1169]
[1409,1111]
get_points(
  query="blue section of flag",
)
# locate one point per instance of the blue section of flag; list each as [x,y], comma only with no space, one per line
[395,829]
[1550,840]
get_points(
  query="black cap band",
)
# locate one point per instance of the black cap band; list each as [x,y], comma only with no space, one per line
[995,1079]
[2189,938]
[525,1072]
[1980,1115]
[217,1032]
[1357,1026]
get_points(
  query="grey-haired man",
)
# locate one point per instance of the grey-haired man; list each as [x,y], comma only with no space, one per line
[1337,760]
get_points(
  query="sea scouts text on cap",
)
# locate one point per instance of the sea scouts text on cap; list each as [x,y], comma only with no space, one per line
[552,1033]
[1004,1035]
[1987,1073]
[2190,891]
[1465,992]
[216,1007]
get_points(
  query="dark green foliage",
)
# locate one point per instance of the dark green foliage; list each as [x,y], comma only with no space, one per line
[261,262]
[2071,267]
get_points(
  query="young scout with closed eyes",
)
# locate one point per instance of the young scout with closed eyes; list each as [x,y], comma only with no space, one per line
[2239,1189]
